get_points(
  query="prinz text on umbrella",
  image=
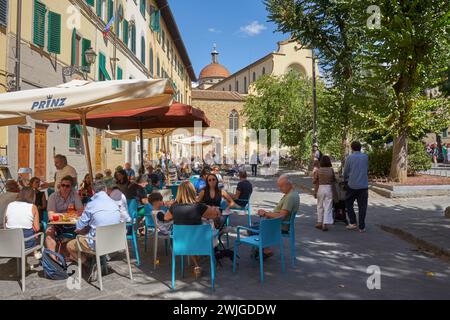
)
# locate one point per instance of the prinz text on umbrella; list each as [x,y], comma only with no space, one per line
[49,103]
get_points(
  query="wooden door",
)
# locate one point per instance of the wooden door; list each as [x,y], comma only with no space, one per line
[98,153]
[40,152]
[24,148]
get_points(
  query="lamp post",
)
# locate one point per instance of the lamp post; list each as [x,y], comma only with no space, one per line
[90,57]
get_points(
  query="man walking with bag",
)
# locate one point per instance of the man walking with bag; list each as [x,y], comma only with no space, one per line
[357,180]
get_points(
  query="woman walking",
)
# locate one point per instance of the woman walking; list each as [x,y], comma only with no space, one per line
[324,180]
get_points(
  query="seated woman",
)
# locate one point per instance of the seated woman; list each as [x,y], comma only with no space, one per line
[86,191]
[23,214]
[39,200]
[186,211]
[121,179]
[211,195]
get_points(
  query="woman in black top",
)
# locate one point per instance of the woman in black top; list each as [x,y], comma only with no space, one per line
[40,201]
[122,181]
[186,211]
[211,195]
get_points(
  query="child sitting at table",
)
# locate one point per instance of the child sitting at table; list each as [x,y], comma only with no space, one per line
[156,200]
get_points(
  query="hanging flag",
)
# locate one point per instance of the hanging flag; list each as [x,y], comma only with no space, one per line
[108,27]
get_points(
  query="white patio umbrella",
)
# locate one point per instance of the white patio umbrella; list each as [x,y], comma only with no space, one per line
[79,98]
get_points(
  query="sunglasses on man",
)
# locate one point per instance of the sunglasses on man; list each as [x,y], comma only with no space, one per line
[66,186]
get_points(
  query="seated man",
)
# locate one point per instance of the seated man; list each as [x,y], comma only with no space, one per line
[100,211]
[59,203]
[244,190]
[289,204]
[201,183]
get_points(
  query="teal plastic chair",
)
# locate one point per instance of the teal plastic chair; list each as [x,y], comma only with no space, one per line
[132,227]
[174,190]
[291,235]
[193,179]
[44,221]
[192,241]
[268,235]
[247,209]
[149,224]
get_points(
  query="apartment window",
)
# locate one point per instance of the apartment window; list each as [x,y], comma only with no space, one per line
[110,9]
[254,76]
[143,4]
[99,8]
[133,39]
[229,87]
[125,32]
[234,126]
[151,63]
[76,48]
[143,50]
[445,133]
[54,32]
[39,24]
[90,2]
[155,21]
[163,36]
[264,71]
[85,45]
[3,13]
[119,73]
[237,86]
[102,72]
[158,67]
[75,136]
[245,84]
[116,144]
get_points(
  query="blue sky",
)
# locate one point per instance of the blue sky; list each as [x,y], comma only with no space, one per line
[238,27]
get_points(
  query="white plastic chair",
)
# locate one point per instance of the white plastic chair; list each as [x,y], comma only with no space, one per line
[108,239]
[12,245]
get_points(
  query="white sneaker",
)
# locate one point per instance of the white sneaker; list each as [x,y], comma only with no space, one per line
[352,227]
[37,255]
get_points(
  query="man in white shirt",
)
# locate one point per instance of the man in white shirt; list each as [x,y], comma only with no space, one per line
[12,190]
[62,170]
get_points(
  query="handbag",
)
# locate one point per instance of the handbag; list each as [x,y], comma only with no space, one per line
[334,187]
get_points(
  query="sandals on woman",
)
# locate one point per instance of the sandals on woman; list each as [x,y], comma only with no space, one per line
[197,272]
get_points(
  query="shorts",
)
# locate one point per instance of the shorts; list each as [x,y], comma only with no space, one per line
[72,246]
[59,230]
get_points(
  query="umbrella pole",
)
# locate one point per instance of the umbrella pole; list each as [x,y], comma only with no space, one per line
[165,158]
[86,144]
[141,141]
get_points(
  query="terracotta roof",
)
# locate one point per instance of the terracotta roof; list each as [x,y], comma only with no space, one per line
[169,19]
[214,70]
[216,95]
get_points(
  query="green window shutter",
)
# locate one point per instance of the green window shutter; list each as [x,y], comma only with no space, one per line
[90,2]
[74,47]
[54,32]
[85,44]
[125,32]
[151,62]
[133,39]
[142,7]
[39,24]
[119,73]
[116,144]
[143,50]
[103,73]
[156,26]
[99,7]
[110,9]
[3,12]
[74,135]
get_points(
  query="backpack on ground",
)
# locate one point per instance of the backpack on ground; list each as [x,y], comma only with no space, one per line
[54,269]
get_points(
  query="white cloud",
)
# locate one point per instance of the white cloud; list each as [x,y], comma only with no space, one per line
[253,29]
[214,30]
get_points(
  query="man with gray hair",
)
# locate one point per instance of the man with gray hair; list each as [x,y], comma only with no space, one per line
[63,169]
[100,211]
[288,205]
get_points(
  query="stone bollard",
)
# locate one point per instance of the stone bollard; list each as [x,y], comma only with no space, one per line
[447,212]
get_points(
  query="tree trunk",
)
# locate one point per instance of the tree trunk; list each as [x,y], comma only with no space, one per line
[345,148]
[399,164]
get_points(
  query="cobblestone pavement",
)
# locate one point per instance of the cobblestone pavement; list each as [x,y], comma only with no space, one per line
[329,265]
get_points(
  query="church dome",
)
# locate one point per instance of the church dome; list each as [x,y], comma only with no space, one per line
[214,70]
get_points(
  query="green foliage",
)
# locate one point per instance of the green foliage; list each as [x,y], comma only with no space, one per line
[283,103]
[380,159]
[380,162]
[418,159]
